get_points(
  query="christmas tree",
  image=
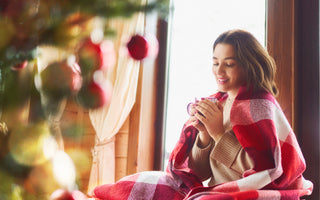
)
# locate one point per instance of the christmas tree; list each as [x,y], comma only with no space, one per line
[66,25]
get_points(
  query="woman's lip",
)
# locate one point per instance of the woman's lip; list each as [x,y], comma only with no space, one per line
[222,80]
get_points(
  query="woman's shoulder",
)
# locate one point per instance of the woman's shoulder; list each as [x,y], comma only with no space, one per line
[251,94]
[259,100]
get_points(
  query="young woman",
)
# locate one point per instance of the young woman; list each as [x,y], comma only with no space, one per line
[238,60]
[242,142]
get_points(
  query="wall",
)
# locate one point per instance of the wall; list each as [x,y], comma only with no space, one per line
[308,89]
[78,137]
[293,40]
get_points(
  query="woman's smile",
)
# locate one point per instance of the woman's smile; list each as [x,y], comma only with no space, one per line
[222,80]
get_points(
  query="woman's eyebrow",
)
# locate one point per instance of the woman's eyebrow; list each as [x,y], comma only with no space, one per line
[227,58]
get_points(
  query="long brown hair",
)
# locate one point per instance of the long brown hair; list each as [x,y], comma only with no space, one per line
[250,54]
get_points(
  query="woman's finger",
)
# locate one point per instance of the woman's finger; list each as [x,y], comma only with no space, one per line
[209,105]
[201,117]
[206,111]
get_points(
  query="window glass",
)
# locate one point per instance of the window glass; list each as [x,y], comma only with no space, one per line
[194,25]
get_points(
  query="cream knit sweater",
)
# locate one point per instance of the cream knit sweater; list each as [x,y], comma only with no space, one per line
[221,162]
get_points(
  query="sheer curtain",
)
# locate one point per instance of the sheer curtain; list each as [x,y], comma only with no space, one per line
[109,119]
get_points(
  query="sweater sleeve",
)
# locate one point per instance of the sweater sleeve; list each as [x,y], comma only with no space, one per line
[229,152]
[199,160]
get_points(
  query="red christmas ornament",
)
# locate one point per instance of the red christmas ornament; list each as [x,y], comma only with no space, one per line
[60,79]
[92,56]
[138,47]
[20,66]
[61,194]
[93,95]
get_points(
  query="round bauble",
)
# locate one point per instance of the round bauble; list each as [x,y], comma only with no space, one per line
[138,47]
[20,66]
[61,194]
[93,95]
[60,79]
[90,57]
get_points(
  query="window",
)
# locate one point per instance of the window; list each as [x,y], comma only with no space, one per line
[194,27]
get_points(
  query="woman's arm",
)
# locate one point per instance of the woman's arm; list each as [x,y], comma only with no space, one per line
[199,159]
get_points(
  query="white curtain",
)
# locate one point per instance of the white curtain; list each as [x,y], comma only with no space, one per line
[109,119]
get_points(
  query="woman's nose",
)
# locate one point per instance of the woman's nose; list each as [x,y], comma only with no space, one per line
[219,69]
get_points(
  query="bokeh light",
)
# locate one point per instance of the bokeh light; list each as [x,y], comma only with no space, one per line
[26,143]
[64,170]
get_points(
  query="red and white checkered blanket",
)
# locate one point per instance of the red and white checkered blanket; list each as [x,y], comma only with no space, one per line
[263,131]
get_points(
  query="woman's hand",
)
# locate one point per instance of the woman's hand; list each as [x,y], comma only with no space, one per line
[210,115]
[204,137]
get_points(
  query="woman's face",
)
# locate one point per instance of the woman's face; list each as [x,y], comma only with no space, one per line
[229,75]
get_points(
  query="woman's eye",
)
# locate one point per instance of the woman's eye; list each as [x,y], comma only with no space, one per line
[230,65]
[215,64]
